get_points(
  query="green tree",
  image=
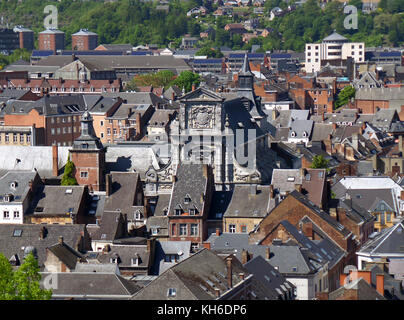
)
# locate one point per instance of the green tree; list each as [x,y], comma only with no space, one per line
[319,162]
[345,96]
[68,178]
[22,284]
[209,52]
[186,79]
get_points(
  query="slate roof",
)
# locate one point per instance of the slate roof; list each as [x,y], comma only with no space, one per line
[313,184]
[249,202]
[125,253]
[20,181]
[321,131]
[285,179]
[300,127]
[11,245]
[195,278]
[363,290]
[335,37]
[269,278]
[123,192]
[191,183]
[92,285]
[57,200]
[108,230]
[162,248]
[66,254]
[387,243]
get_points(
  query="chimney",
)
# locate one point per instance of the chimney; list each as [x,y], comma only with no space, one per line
[193,87]
[400,143]
[205,171]
[271,191]
[308,230]
[298,188]
[149,245]
[333,213]
[334,126]
[173,96]
[244,256]
[341,216]
[253,189]
[55,160]
[31,185]
[229,272]
[380,283]
[242,275]
[129,112]
[218,231]
[267,253]
[274,114]
[108,185]
[60,240]
[42,233]
[217,292]
[402,195]
[322,116]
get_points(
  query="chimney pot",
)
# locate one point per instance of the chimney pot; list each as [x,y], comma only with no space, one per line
[229,261]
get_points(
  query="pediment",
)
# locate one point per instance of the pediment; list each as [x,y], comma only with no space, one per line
[202,94]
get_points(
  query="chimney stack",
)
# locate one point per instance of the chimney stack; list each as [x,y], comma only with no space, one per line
[229,272]
[267,253]
[173,96]
[55,160]
[149,245]
[244,256]
[298,187]
[380,283]
[60,240]
[271,191]
[217,292]
[242,275]
[218,231]
[42,233]
[108,185]
[193,87]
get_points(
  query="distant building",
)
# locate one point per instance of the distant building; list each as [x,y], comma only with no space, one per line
[26,37]
[51,39]
[334,47]
[9,40]
[84,40]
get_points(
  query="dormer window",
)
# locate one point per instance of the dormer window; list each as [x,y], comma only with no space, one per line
[138,215]
[14,184]
[172,292]
[192,211]
[136,260]
[8,198]
[304,134]
[178,212]
[187,199]
[293,134]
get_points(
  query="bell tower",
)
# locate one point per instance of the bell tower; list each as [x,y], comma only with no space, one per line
[88,156]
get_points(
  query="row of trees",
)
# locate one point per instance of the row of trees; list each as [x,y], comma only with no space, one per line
[166,79]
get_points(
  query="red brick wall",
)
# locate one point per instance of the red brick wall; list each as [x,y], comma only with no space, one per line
[369,106]
[94,164]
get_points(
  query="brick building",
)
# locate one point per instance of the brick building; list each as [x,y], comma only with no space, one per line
[88,156]
[51,39]
[26,37]
[84,40]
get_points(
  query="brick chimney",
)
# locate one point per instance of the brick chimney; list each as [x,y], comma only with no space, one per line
[267,253]
[244,256]
[380,283]
[308,230]
[217,292]
[229,261]
[55,160]
[271,191]
[108,185]
[149,245]
[173,96]
[218,231]
[193,87]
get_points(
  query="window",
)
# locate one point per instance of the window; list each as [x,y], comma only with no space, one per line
[194,229]
[187,199]
[58,130]
[6,215]
[102,134]
[172,292]
[138,216]
[154,231]
[388,217]
[183,229]
[192,212]
[17,233]
[109,131]
[178,212]
[101,123]
[14,138]
[84,174]
[243,229]
[6,138]
[173,229]
[16,214]
[232,228]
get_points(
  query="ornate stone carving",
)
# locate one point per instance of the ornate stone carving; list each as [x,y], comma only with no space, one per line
[201,117]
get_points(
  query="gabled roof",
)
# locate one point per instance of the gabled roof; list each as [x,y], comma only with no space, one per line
[66,254]
[388,243]
[335,37]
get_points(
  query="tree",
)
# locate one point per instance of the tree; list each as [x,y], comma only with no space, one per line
[209,52]
[319,162]
[68,178]
[186,79]
[345,96]
[22,284]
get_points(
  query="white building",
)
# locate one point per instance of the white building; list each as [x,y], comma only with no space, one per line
[15,187]
[334,47]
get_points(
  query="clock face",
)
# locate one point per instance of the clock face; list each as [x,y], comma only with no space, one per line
[201,117]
